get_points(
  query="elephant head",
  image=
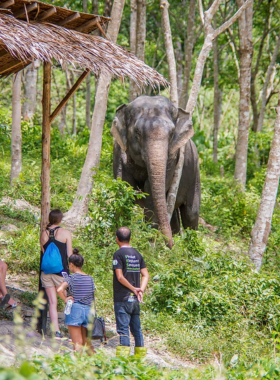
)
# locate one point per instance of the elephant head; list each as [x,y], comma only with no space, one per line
[151,131]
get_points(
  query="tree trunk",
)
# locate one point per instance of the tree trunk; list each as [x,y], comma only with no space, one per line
[88,92]
[179,62]
[246,54]
[46,145]
[217,101]
[133,29]
[30,90]
[140,41]
[261,229]
[74,116]
[204,53]
[63,123]
[95,7]
[108,7]
[266,84]
[255,72]
[80,204]
[189,44]
[16,128]
[164,5]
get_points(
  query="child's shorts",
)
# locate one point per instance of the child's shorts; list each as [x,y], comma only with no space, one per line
[79,315]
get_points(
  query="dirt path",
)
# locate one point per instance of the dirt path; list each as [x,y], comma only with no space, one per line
[18,339]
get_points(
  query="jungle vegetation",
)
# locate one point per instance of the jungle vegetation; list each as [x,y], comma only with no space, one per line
[205,299]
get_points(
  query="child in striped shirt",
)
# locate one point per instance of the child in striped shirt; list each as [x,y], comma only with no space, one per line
[82,289]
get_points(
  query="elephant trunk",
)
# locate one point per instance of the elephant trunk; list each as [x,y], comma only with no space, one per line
[156,159]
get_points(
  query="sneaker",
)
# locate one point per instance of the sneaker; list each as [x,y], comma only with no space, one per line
[58,335]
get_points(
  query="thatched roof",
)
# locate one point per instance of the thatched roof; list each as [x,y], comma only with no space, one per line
[22,42]
[32,10]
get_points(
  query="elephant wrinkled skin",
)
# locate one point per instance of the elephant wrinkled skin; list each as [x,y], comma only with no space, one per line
[148,134]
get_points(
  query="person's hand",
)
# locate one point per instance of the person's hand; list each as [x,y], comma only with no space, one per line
[139,294]
[69,298]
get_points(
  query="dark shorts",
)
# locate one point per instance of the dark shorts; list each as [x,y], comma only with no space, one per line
[79,316]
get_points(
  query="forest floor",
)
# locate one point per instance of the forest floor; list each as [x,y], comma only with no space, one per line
[18,338]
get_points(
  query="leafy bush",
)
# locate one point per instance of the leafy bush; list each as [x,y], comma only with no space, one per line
[111,206]
[225,206]
[216,288]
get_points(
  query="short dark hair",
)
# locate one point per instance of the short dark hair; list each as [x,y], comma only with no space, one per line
[76,259]
[55,217]
[123,234]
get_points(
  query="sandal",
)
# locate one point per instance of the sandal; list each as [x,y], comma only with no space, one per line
[4,300]
[13,306]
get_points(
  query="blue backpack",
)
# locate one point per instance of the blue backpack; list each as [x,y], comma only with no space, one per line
[51,261]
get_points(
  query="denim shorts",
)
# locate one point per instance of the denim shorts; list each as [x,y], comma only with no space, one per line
[79,316]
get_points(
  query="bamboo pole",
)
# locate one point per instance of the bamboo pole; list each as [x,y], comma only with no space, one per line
[46,140]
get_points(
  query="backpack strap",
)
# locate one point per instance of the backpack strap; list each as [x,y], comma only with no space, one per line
[52,232]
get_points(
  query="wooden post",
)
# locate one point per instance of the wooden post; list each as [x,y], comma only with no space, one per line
[46,140]
[45,175]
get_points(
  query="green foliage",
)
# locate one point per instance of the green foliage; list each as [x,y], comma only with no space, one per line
[83,367]
[213,288]
[111,206]
[24,250]
[226,206]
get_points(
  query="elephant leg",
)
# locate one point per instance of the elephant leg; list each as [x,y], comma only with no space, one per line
[175,222]
[190,216]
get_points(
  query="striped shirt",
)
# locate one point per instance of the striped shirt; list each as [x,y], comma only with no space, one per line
[81,288]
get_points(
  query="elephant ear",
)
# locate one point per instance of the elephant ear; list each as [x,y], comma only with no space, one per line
[118,128]
[183,131]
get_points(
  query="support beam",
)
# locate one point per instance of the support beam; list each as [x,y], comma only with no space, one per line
[44,15]
[68,95]
[101,30]
[7,4]
[11,65]
[70,18]
[29,8]
[46,143]
[87,24]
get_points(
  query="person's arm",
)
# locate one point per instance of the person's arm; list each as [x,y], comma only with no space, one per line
[124,282]
[144,278]
[61,290]
[69,244]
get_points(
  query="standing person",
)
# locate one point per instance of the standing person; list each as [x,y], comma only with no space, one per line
[82,290]
[63,240]
[128,265]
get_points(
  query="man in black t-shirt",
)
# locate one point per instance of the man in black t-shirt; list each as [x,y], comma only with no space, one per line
[128,266]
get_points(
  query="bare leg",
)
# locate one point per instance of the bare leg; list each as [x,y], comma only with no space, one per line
[51,293]
[76,336]
[87,342]
[3,289]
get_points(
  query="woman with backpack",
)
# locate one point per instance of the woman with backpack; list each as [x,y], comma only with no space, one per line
[56,248]
[81,287]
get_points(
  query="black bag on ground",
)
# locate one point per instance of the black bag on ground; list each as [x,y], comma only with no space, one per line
[98,327]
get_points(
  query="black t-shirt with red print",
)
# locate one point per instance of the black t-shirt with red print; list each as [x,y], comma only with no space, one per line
[131,262]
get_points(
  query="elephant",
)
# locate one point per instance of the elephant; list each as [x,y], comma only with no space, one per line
[148,134]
